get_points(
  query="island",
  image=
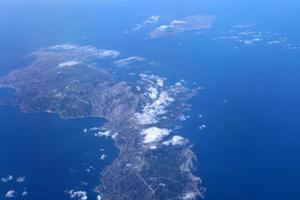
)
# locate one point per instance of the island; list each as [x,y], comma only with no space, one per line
[154,162]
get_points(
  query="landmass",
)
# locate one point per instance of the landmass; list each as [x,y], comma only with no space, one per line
[153,162]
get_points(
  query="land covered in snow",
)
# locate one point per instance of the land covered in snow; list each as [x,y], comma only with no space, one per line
[154,161]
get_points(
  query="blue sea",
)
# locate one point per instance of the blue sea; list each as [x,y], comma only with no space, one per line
[53,155]
[249,104]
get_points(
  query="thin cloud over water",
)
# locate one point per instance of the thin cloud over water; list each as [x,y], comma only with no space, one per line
[195,22]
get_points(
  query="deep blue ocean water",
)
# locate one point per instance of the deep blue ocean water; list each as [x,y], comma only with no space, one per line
[52,154]
[250,103]
[251,110]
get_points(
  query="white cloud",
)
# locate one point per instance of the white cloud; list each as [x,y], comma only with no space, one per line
[153,147]
[63,47]
[84,51]
[7,178]
[184,117]
[196,22]
[128,61]
[189,196]
[202,127]
[247,33]
[246,38]
[24,193]
[159,100]
[233,37]
[178,22]
[103,156]
[99,197]
[160,82]
[153,93]
[252,41]
[175,140]
[80,195]
[154,134]
[10,194]
[68,63]
[152,111]
[94,129]
[293,47]
[114,136]
[104,53]
[274,42]
[21,179]
[243,26]
[102,133]
[151,20]
[146,118]
[152,79]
